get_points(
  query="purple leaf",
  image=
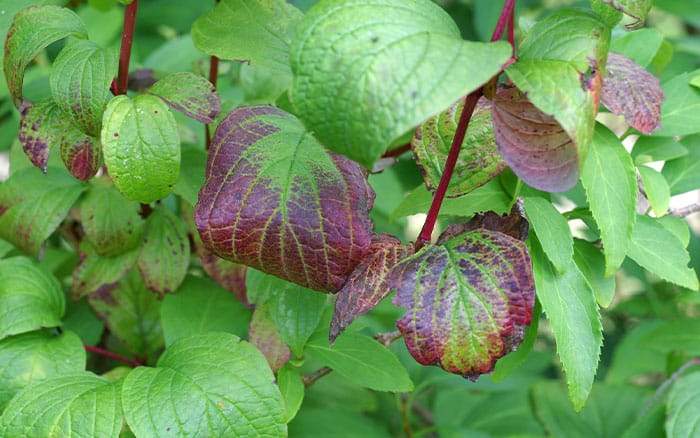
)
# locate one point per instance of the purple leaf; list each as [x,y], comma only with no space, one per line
[367,285]
[190,94]
[467,300]
[41,127]
[630,90]
[81,154]
[264,336]
[276,200]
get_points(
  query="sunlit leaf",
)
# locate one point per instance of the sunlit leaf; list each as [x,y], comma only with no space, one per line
[634,8]
[657,190]
[552,230]
[591,262]
[680,112]
[190,94]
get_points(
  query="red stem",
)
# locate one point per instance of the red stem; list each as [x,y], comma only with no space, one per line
[213,75]
[511,30]
[109,354]
[125,52]
[506,17]
[400,150]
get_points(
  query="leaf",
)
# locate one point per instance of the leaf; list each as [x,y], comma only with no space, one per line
[200,306]
[683,406]
[678,335]
[337,422]
[264,336]
[680,112]
[659,251]
[608,14]
[640,46]
[94,273]
[190,94]
[363,361]
[478,160]
[205,385]
[650,149]
[27,193]
[635,8]
[610,182]
[258,32]
[511,361]
[81,320]
[66,405]
[657,190]
[32,357]
[467,299]
[41,127]
[165,254]
[683,174]
[81,154]
[630,90]
[33,29]
[367,285]
[276,200]
[388,65]
[591,262]
[141,147]
[677,226]
[80,80]
[30,298]
[111,222]
[292,389]
[552,231]
[573,316]
[632,357]
[191,178]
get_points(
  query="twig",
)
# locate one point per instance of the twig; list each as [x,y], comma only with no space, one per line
[387,338]
[127,41]
[664,386]
[310,379]
[115,356]
[685,211]
[397,151]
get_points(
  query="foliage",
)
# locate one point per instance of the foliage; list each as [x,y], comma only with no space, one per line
[205,226]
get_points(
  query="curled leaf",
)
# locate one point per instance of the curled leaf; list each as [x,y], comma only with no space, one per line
[190,94]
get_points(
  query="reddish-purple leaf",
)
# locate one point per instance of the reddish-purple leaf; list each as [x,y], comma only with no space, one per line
[190,94]
[630,90]
[367,285]
[81,154]
[467,300]
[264,336]
[41,127]
[276,200]
[533,143]
[514,224]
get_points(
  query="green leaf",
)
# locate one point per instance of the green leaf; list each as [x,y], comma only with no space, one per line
[263,334]
[111,222]
[659,251]
[608,14]
[678,226]
[573,315]
[190,94]
[141,147]
[633,357]
[552,231]
[591,263]
[634,8]
[82,321]
[650,149]
[30,298]
[80,80]
[611,188]
[656,188]
[191,179]
[205,385]
[680,112]
[389,65]
[258,32]
[337,422]
[31,31]
[683,408]
[292,389]
[165,254]
[32,357]
[94,272]
[200,306]
[79,404]
[5,248]
[683,174]
[132,314]
[641,45]
[678,335]
[32,206]
[478,161]
[363,361]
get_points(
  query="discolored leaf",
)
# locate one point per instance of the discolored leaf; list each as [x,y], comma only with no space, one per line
[367,285]
[205,385]
[478,161]
[276,200]
[513,224]
[81,154]
[33,29]
[165,254]
[630,90]
[28,192]
[141,147]
[467,300]
[94,273]
[190,94]
[30,298]
[41,127]
[634,8]
[82,73]
[381,67]
[264,336]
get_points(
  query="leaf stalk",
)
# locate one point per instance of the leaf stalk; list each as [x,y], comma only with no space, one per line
[125,51]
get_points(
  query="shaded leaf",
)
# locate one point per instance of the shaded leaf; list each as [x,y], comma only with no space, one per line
[680,112]
[28,192]
[630,90]
[141,147]
[632,357]
[33,29]
[683,174]
[478,160]
[81,154]
[35,356]
[367,285]
[388,65]
[200,306]
[263,334]
[658,192]
[552,231]
[591,263]
[165,254]
[190,94]
[634,8]
[677,335]
[94,273]
[205,385]
[467,300]
[192,168]
[610,182]
[292,389]
[41,127]
[59,406]
[683,409]
[82,73]
[650,149]
[275,200]
[336,421]
[640,46]
[81,320]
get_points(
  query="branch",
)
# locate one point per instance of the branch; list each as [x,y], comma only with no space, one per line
[664,386]
[125,52]
[310,379]
[115,356]
[387,338]
[685,211]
